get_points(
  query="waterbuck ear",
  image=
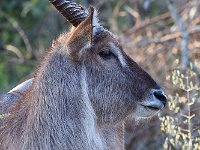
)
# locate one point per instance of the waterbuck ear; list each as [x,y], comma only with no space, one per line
[82,36]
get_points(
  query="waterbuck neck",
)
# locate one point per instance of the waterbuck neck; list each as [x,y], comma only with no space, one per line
[64,113]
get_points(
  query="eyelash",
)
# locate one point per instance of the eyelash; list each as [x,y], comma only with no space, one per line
[106,54]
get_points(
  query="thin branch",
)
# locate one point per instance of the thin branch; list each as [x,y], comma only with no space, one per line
[21,32]
[16,51]
[185,35]
[195,68]
[134,13]
[153,20]
[185,130]
[115,14]
[175,35]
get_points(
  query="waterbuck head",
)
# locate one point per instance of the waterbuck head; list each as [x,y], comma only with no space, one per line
[84,82]
[114,84]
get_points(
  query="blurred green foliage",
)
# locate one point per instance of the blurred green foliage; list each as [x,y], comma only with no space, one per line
[32,17]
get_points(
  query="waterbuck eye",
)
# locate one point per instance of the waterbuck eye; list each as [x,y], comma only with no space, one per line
[106,54]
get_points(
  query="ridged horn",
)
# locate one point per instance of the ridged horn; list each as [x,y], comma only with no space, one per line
[74,13]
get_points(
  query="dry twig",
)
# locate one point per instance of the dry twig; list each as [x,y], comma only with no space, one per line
[175,35]
[156,19]
[184,33]
[21,32]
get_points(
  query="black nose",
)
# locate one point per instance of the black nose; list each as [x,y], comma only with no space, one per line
[159,94]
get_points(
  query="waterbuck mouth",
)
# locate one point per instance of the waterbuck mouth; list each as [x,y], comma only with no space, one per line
[155,108]
[153,104]
[156,100]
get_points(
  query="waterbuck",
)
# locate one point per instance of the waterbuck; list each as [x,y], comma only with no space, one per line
[83,91]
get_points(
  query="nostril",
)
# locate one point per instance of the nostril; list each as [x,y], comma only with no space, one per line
[159,94]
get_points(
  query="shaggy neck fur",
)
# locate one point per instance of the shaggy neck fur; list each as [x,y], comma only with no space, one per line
[63,119]
[57,112]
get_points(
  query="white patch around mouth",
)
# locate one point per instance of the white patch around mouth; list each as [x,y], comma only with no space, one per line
[144,112]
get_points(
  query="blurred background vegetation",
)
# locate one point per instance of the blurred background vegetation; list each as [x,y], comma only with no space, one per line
[162,36]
